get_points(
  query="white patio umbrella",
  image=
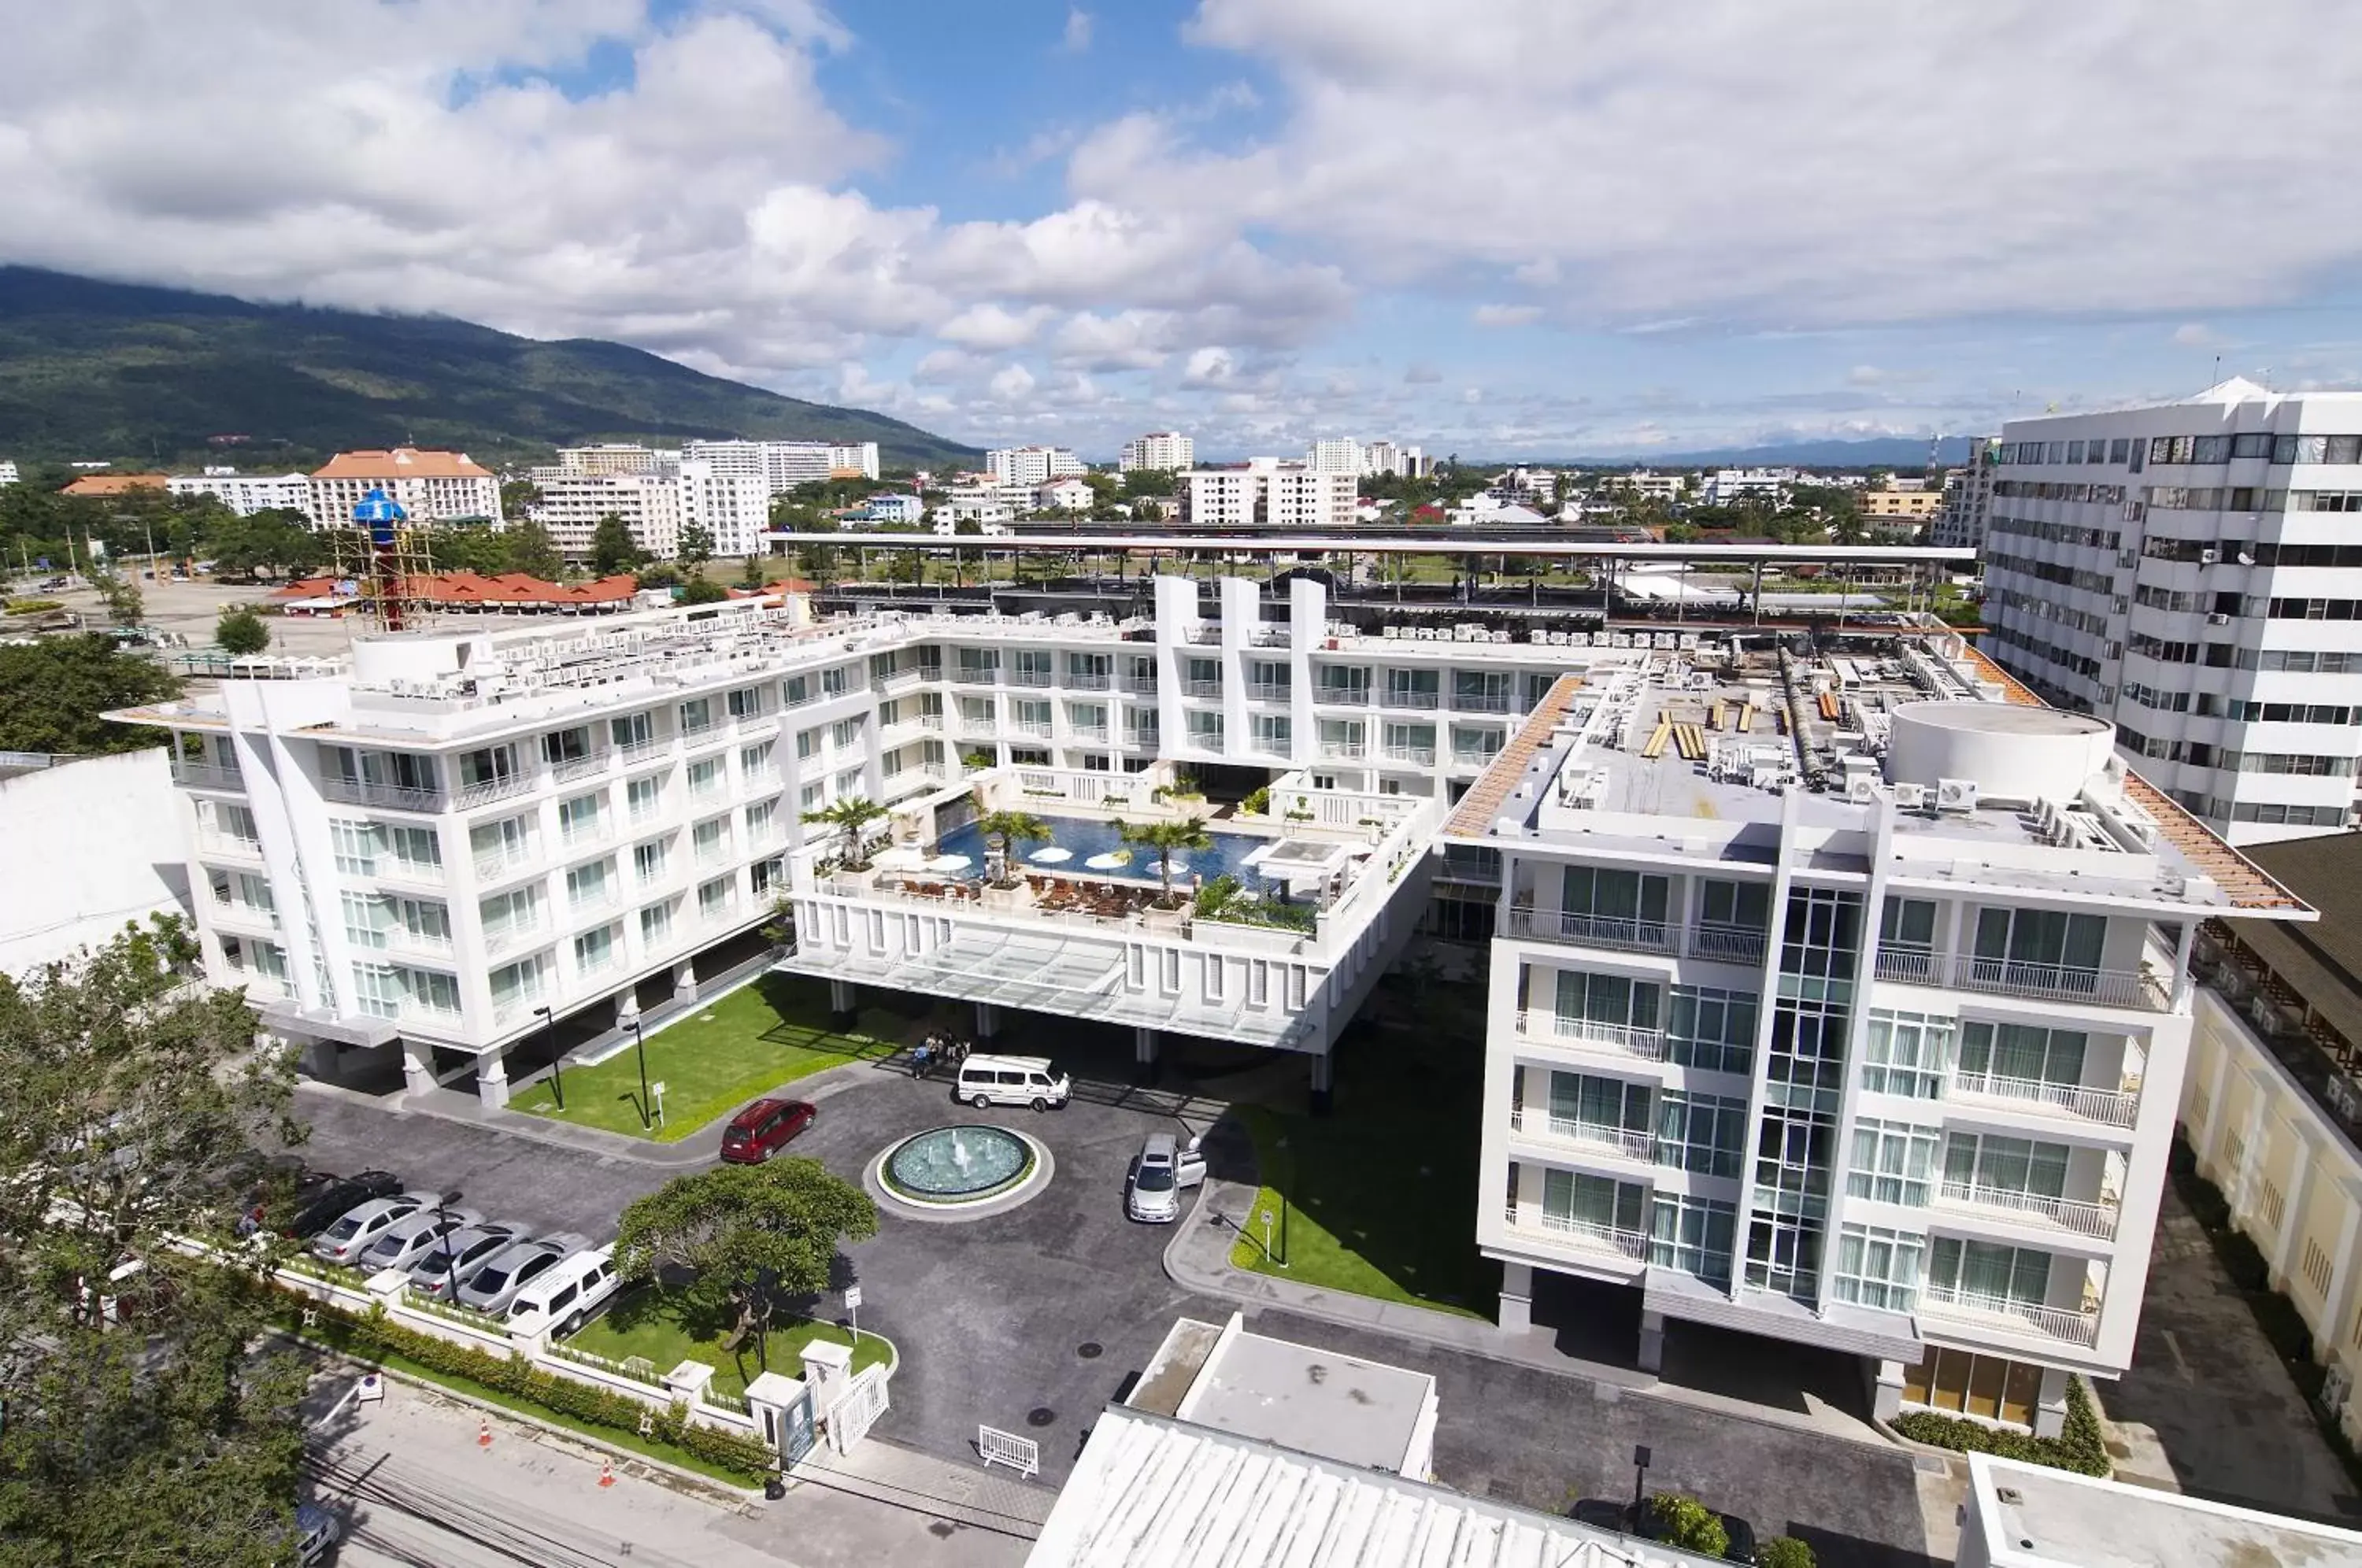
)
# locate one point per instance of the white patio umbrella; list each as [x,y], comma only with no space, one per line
[948,863]
[902,858]
[1050,855]
[1113,860]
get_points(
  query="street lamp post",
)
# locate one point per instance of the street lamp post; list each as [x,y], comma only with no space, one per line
[557,1060]
[640,1045]
[443,1219]
[1639,1479]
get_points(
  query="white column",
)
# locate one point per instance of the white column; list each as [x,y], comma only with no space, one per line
[2050,1405]
[988,1020]
[1143,1044]
[1517,1297]
[417,1066]
[1652,1341]
[1886,1389]
[492,1077]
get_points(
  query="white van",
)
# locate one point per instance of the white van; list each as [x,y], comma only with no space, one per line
[563,1298]
[1012,1080]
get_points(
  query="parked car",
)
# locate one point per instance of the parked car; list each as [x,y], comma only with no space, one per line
[562,1299]
[499,1279]
[1160,1172]
[407,1240]
[453,1259]
[324,1207]
[1012,1080]
[316,1534]
[358,1229]
[763,1128]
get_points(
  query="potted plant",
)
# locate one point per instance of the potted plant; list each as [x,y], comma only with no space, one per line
[1166,839]
[1005,830]
[850,819]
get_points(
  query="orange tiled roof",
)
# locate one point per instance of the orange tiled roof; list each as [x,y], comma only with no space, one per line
[474,589]
[112,484]
[402,462]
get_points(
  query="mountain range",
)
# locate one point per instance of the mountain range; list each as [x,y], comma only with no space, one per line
[1906,453]
[164,378]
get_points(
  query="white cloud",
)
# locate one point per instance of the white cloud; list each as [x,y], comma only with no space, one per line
[992,327]
[2198,335]
[1209,367]
[1077,37]
[1866,376]
[1506,314]
[1012,383]
[1419,374]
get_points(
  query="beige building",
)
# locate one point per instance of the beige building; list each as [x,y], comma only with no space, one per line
[2271,1098]
[612,458]
[433,487]
[1915,505]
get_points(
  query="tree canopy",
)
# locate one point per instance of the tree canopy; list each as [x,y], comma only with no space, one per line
[240,631]
[52,692]
[612,549]
[739,1240]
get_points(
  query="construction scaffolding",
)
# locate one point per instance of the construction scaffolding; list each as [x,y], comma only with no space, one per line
[384,563]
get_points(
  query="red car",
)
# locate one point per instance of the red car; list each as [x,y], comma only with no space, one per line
[763,1128]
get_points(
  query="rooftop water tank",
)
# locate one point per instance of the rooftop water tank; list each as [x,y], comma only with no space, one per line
[2011,751]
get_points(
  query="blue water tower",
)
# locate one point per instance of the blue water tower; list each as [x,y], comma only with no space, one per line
[379,514]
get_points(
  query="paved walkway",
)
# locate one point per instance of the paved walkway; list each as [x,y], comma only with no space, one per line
[1199,1259]
[885,1472]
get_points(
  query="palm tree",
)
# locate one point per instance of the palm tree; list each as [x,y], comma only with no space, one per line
[1165,840]
[1007,830]
[850,816]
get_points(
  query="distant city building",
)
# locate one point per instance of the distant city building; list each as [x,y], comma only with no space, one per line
[1915,505]
[7,472]
[650,503]
[1968,500]
[728,500]
[1732,487]
[612,458]
[432,486]
[1342,455]
[1646,484]
[856,457]
[1029,466]
[1267,492]
[115,484]
[1064,495]
[2187,570]
[979,504]
[246,494]
[895,506]
[1159,451]
[1386,458]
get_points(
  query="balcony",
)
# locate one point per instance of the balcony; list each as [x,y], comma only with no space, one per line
[2051,982]
[487,791]
[1584,1235]
[714,853]
[1480,701]
[1270,636]
[1089,680]
[1624,1142]
[597,831]
[639,751]
[1139,684]
[1038,728]
[1270,691]
[712,734]
[1726,943]
[1034,678]
[510,938]
[206,776]
[517,1007]
[1909,966]
[1202,688]
[1342,695]
[2097,1221]
[254,916]
[1583,1034]
[1212,635]
[2065,1324]
[361,792]
[578,767]
[967,675]
[494,868]
[1474,757]
[1417,755]
[228,847]
[2113,1107]
[1591,931]
[1410,700]
[1343,751]
[1095,735]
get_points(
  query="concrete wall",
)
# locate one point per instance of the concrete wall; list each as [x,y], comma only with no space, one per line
[85,846]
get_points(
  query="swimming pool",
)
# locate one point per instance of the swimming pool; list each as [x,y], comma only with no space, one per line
[1087,836]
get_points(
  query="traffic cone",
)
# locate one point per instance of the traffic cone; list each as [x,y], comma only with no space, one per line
[606,1472]
[484,1432]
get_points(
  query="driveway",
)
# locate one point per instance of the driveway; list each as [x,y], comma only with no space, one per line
[1032,1320]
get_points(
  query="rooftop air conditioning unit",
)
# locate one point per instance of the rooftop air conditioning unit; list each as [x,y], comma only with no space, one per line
[1955,794]
[2208,558]
[1862,788]
[2218,619]
[1911,797]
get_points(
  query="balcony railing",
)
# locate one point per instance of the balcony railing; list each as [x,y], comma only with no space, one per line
[239,914]
[1141,685]
[1726,943]
[1089,680]
[362,792]
[1911,965]
[206,776]
[714,734]
[489,790]
[1589,1235]
[1591,931]
[1270,690]
[1342,695]
[492,867]
[1203,634]
[508,938]
[1030,677]
[1271,636]
[598,830]
[1344,751]
[2107,988]
[578,767]
[1097,733]
[1610,1039]
[641,750]
[1393,699]
[1481,702]
[229,845]
[2116,1108]
[2085,1218]
[2065,1324]
[1629,1142]
[1038,728]
[1474,757]
[1202,688]
[1422,756]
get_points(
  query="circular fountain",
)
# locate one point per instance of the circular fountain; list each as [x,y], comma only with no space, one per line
[963,1172]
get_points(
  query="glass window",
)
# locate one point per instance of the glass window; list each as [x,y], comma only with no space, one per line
[695,714]
[2004,1164]
[655,925]
[1594,1204]
[594,949]
[2026,1053]
[1893,1161]
[715,897]
[587,884]
[1713,1029]
[1598,1102]
[1703,1132]
[1906,1053]
[1878,1267]
[1694,1235]
[1989,1272]
[746,702]
[355,846]
[648,859]
[2045,947]
[1746,905]
[705,777]
[566,745]
[645,797]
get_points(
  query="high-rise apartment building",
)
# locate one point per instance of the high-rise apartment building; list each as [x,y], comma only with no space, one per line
[1267,492]
[1968,498]
[1336,455]
[1865,1032]
[613,458]
[433,487]
[246,494]
[853,457]
[2186,569]
[728,498]
[648,501]
[1389,458]
[1027,468]
[1159,449]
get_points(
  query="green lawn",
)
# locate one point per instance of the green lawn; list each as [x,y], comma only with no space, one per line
[716,1059]
[650,1324]
[1378,1198]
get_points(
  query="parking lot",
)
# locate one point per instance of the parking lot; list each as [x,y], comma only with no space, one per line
[1032,1320]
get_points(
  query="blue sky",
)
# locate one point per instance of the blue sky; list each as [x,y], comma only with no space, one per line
[1529,227]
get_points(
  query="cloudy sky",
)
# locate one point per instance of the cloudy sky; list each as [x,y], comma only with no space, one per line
[1495,227]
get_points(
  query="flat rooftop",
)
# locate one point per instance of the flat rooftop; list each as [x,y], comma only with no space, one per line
[1314,1401]
[2038,1518]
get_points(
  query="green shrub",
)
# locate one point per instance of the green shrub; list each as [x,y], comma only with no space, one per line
[1258,801]
[32,606]
[1783,1552]
[2243,1261]
[2283,1325]
[1689,1524]
[2080,1445]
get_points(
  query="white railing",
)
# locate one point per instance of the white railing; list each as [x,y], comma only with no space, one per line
[239,913]
[1480,701]
[1613,1039]
[508,937]
[1097,733]
[1423,756]
[1271,636]
[1089,680]
[596,831]
[968,676]
[1588,1234]
[489,790]
[1726,943]
[2117,1108]
[2076,1327]
[517,1007]
[1344,751]
[1270,690]
[1342,695]
[361,792]
[1204,633]
[1911,965]
[1202,688]
[1474,757]
[2108,988]
[1591,931]
[1038,728]
[206,776]
[641,750]
[1411,700]
[490,868]
[1631,1143]
[1042,678]
[580,766]
[2094,1219]
[230,845]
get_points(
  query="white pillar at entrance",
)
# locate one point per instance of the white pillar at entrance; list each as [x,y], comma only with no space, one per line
[1652,1342]
[1143,1044]
[684,981]
[1886,1395]
[988,1020]
[493,1078]
[417,1066]
[841,995]
[1517,1297]
[2050,1407]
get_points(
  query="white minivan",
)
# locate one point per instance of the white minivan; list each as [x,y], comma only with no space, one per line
[1012,1080]
[562,1299]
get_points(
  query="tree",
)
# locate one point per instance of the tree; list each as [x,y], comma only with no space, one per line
[750,573]
[150,1092]
[696,546]
[1166,839]
[1147,483]
[52,692]
[242,632]
[1689,1524]
[518,498]
[612,549]
[125,606]
[746,1237]
[1783,1552]
[850,819]
[702,591]
[1006,830]
[531,551]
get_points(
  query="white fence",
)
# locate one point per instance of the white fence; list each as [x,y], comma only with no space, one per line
[850,1418]
[997,1447]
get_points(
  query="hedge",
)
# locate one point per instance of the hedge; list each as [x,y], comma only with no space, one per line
[378,1335]
[2079,1446]
[1783,1552]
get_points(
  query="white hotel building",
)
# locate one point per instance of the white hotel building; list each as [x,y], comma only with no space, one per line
[2188,570]
[1159,449]
[246,494]
[1863,1030]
